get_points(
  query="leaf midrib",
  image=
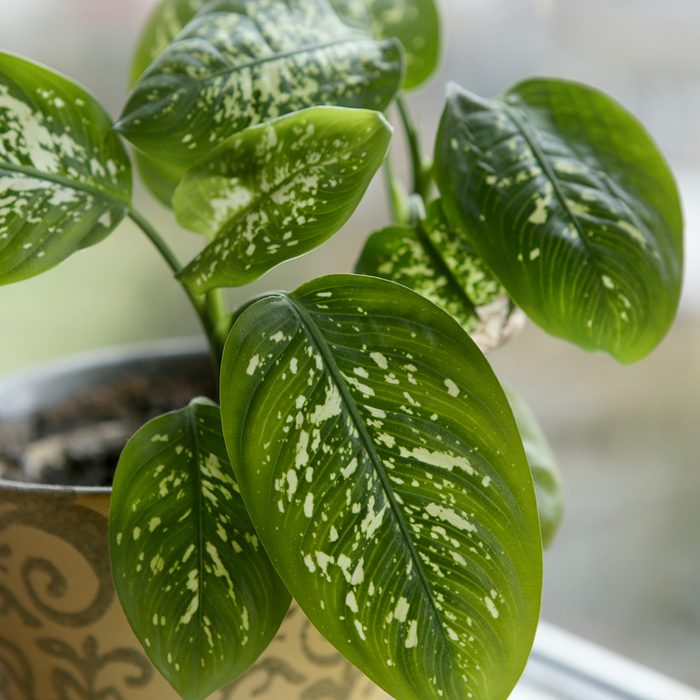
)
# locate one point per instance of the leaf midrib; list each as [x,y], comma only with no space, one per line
[322,346]
[436,255]
[66,182]
[199,520]
[547,169]
[196,80]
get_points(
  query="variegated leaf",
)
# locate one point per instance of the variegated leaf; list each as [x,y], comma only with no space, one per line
[567,199]
[543,463]
[436,260]
[278,190]
[166,21]
[380,463]
[415,23]
[239,63]
[65,179]
[196,585]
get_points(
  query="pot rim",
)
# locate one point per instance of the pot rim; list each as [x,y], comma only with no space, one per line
[91,360]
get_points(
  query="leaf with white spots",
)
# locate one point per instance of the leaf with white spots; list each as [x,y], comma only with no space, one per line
[415,23]
[278,190]
[436,260]
[543,463]
[195,583]
[65,179]
[381,465]
[569,202]
[166,21]
[243,62]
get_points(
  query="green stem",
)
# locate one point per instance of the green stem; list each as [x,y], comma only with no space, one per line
[398,199]
[211,311]
[421,178]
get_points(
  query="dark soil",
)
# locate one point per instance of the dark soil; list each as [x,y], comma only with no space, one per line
[78,443]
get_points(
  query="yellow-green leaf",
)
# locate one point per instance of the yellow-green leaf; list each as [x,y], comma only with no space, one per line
[381,465]
[278,190]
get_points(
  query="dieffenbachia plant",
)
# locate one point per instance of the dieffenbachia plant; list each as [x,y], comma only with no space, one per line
[364,459]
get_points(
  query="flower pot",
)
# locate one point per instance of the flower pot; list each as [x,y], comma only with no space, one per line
[63,635]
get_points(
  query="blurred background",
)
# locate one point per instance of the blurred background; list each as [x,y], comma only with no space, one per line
[625,568]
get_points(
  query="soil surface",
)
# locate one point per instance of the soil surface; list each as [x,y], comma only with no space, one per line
[78,443]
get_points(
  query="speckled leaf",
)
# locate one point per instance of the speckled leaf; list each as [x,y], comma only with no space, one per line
[382,468]
[228,70]
[437,261]
[415,23]
[278,190]
[164,24]
[166,21]
[543,463]
[196,585]
[569,202]
[65,179]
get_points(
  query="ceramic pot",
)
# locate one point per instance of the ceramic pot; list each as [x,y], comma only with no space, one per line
[63,635]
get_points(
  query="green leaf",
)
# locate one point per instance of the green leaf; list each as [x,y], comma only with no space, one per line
[196,585]
[415,23]
[543,463]
[164,24]
[65,179]
[567,199]
[159,177]
[437,261]
[382,468]
[228,70]
[166,21]
[278,190]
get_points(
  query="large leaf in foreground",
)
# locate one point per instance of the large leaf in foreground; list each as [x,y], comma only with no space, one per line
[415,23]
[191,575]
[65,180]
[278,190]
[380,463]
[543,463]
[437,261]
[569,202]
[228,70]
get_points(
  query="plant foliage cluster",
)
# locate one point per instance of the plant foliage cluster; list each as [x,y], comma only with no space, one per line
[364,459]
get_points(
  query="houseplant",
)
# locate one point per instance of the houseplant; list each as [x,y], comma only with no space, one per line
[403,519]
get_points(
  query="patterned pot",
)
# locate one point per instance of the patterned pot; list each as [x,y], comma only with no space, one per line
[62,633]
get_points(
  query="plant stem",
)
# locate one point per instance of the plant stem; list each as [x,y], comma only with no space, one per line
[421,179]
[210,308]
[398,199]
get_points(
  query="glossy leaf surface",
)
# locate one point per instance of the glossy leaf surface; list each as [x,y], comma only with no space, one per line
[437,261]
[278,190]
[194,581]
[543,463]
[415,23]
[65,180]
[567,199]
[240,63]
[166,21]
[382,468]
